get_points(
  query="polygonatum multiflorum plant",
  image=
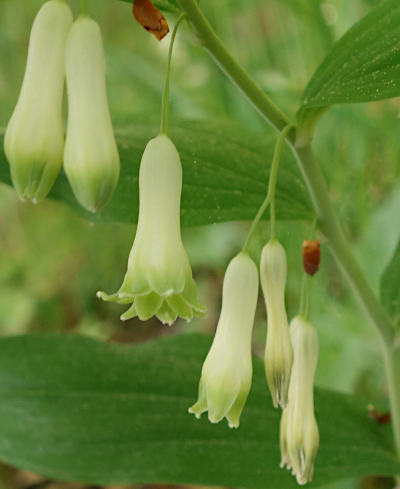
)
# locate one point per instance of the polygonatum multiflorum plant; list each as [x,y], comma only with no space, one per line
[43,137]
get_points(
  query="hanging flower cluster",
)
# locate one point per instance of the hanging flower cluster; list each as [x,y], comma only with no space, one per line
[34,139]
[159,280]
[290,355]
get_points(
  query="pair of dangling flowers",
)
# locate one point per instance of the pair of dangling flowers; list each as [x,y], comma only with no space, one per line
[34,144]
[290,355]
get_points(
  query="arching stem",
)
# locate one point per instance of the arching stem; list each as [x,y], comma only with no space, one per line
[164,127]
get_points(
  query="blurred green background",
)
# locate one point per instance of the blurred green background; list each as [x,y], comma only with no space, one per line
[52,262]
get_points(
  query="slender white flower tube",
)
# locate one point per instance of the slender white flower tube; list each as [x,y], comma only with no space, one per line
[278,351]
[34,139]
[159,278]
[91,159]
[299,429]
[227,371]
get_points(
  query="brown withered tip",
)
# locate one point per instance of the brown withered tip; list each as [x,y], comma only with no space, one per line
[311,256]
[381,418]
[150,18]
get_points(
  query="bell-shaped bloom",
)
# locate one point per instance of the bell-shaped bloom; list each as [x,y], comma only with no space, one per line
[159,279]
[91,159]
[227,371]
[34,139]
[278,351]
[299,430]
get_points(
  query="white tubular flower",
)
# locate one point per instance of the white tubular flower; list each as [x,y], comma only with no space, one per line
[278,351]
[227,371]
[34,139]
[159,278]
[299,429]
[91,159]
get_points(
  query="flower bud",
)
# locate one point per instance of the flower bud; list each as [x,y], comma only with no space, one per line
[159,277]
[278,351]
[227,371]
[91,159]
[34,139]
[299,429]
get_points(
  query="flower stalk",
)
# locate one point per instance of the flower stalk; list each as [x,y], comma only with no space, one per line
[270,197]
[164,126]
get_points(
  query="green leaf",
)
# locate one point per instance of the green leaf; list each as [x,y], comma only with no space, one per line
[390,287]
[76,409]
[363,66]
[225,175]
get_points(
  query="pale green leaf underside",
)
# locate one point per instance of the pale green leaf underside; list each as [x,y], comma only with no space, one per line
[225,175]
[390,287]
[76,409]
[364,65]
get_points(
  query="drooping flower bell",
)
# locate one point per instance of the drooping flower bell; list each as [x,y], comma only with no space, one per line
[159,278]
[227,371]
[278,351]
[34,139]
[91,159]
[299,430]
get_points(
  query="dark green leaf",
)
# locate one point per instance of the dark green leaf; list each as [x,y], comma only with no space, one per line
[363,66]
[76,409]
[225,170]
[390,287]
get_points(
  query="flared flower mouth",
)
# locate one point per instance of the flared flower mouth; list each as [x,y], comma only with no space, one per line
[167,308]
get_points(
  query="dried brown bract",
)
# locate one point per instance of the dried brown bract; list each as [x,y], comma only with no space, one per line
[150,18]
[311,256]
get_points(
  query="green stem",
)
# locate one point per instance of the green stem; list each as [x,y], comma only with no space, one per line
[164,127]
[214,46]
[274,173]
[328,221]
[339,245]
[304,309]
[392,366]
[83,7]
[270,197]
